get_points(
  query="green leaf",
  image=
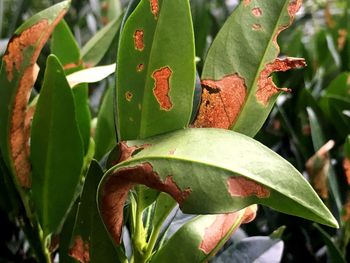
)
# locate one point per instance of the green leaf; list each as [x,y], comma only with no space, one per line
[56,149]
[155,70]
[105,136]
[17,77]
[65,47]
[239,92]
[210,171]
[110,9]
[89,229]
[199,239]
[94,50]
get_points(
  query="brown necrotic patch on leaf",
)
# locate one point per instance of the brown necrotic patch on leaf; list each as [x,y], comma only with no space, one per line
[256,11]
[138,40]
[257,27]
[115,190]
[140,67]
[222,227]
[18,44]
[293,8]
[246,2]
[80,250]
[217,231]
[128,96]
[266,88]
[162,87]
[346,166]
[72,65]
[154,8]
[239,186]
[15,58]
[222,102]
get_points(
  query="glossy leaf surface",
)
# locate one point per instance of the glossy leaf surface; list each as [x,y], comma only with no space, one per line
[239,91]
[56,149]
[189,164]
[155,69]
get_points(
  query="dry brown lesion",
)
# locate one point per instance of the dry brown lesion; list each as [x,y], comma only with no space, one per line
[154,8]
[239,186]
[222,101]
[161,88]
[80,250]
[138,40]
[266,88]
[116,188]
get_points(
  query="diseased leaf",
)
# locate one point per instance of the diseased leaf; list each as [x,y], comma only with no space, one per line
[94,50]
[91,242]
[240,95]
[201,236]
[189,164]
[346,161]
[155,69]
[56,149]
[17,77]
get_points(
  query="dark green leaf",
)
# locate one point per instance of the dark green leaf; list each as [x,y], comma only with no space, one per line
[155,70]
[56,149]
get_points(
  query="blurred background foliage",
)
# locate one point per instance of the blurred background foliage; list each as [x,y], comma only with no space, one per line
[309,126]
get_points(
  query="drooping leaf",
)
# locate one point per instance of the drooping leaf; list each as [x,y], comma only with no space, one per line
[201,237]
[98,45]
[253,249]
[91,242]
[155,69]
[17,77]
[56,149]
[65,47]
[239,91]
[190,164]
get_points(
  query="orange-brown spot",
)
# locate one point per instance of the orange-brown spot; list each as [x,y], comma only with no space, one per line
[140,67]
[128,96]
[14,55]
[222,102]
[222,227]
[328,16]
[246,2]
[266,87]
[34,37]
[115,191]
[72,65]
[293,8]
[154,8]
[256,11]
[239,186]
[162,87]
[80,250]
[257,27]
[317,167]
[346,211]
[346,166]
[342,34]
[138,40]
